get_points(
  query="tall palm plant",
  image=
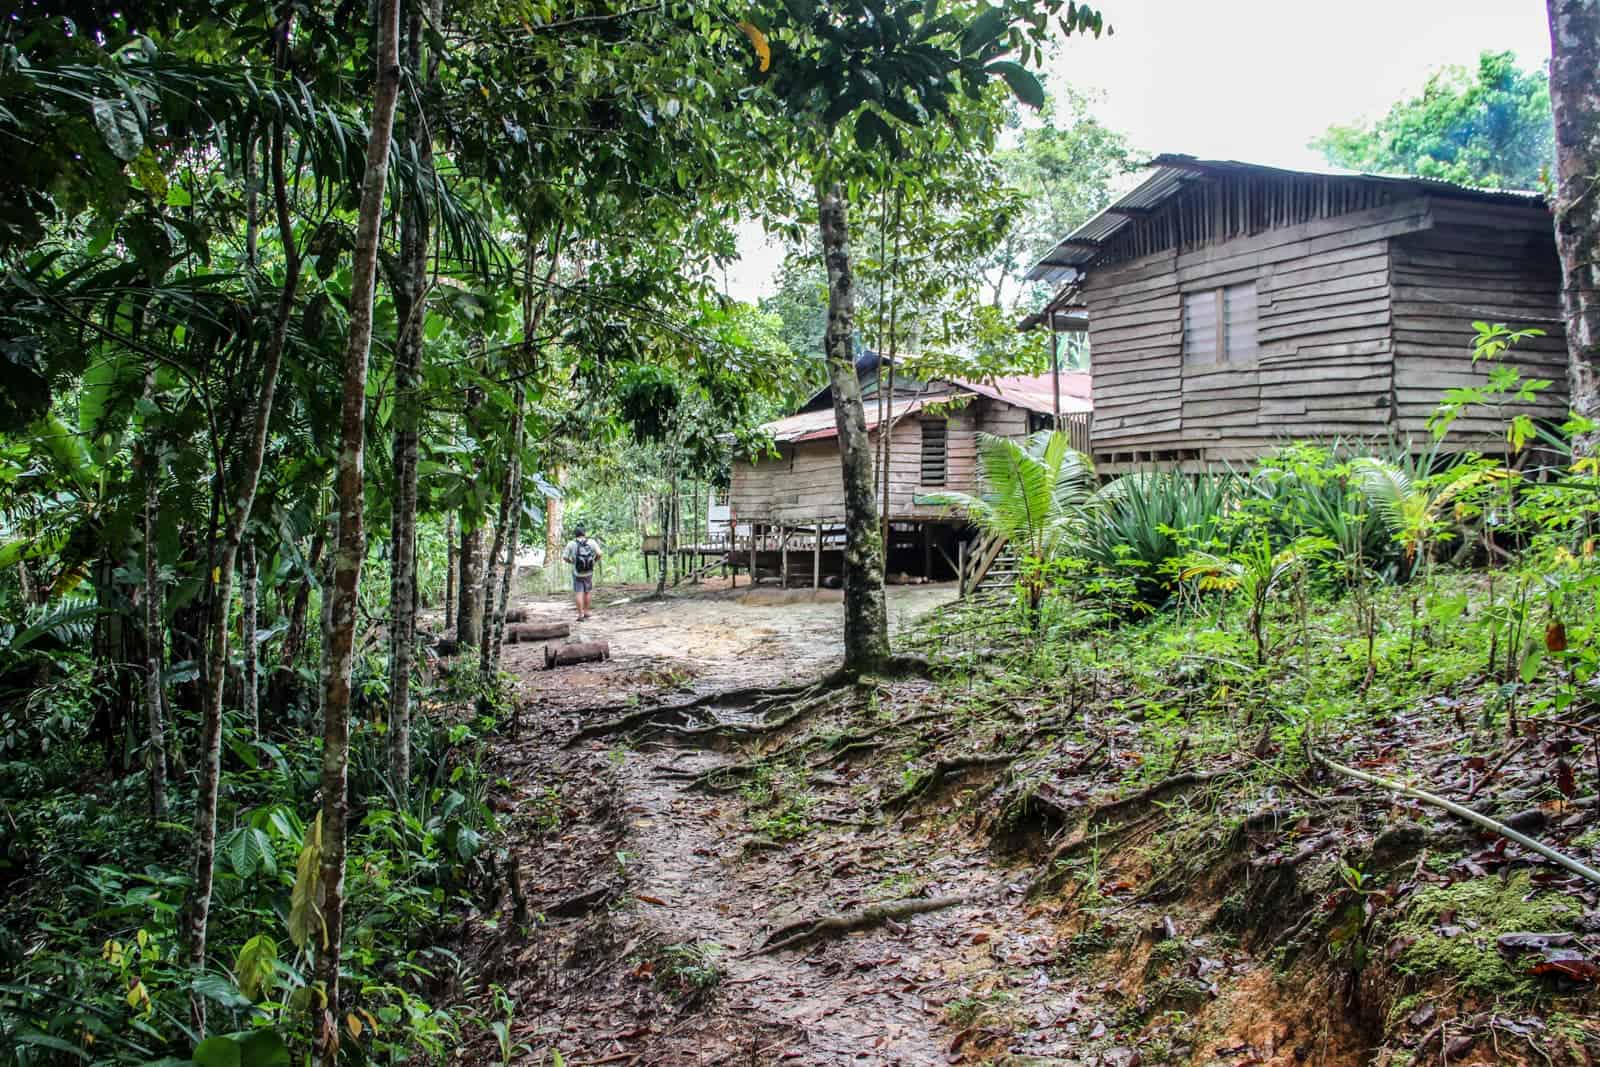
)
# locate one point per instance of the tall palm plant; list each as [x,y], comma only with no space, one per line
[1035,492]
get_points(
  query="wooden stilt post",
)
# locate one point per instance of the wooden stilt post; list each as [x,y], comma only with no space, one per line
[783,556]
[816,558]
[961,568]
[752,554]
[927,552]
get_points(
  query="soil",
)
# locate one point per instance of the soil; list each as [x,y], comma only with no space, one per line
[651,890]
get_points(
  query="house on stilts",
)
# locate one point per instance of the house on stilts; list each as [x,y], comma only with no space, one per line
[1232,307]
[788,505]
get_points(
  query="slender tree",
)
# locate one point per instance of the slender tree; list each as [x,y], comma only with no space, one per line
[411,310]
[350,549]
[247,475]
[154,634]
[1575,100]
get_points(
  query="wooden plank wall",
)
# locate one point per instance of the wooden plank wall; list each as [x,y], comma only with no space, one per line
[1490,264]
[804,485]
[1324,362]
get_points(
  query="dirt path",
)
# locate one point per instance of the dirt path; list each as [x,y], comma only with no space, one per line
[684,876]
[649,900]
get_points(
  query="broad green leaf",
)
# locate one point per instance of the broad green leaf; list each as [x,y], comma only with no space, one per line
[1022,81]
[304,915]
[218,1052]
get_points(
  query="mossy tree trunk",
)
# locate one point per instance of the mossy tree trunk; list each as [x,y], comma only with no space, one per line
[1575,99]
[866,621]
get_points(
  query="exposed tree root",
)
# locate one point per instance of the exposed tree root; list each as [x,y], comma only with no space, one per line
[945,769]
[1050,878]
[634,720]
[808,930]
[863,740]
[757,698]
[582,904]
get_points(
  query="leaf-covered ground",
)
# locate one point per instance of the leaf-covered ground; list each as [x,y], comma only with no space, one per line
[1147,865]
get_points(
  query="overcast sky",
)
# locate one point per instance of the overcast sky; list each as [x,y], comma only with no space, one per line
[1255,80]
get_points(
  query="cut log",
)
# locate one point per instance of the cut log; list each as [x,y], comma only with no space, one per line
[533,632]
[577,652]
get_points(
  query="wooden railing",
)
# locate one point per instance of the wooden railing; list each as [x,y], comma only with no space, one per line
[1079,429]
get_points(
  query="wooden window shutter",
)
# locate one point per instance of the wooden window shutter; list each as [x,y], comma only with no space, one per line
[935,455]
[1200,318]
[1240,320]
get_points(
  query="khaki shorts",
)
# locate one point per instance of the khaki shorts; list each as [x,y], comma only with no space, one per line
[583,583]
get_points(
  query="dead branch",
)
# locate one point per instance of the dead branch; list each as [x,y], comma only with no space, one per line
[1464,813]
[808,930]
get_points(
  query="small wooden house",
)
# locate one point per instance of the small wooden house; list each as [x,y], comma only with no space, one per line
[793,501]
[1232,307]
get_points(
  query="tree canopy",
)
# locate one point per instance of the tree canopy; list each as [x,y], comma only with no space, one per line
[1487,125]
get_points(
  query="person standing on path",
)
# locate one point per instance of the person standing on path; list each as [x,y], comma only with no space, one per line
[583,554]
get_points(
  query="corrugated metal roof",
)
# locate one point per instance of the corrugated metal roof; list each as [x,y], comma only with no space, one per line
[1037,393]
[1170,172]
[817,425]
[1033,392]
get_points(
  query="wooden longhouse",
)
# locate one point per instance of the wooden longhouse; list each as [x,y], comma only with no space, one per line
[788,507]
[1233,307]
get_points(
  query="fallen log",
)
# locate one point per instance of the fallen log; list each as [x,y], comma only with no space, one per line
[577,652]
[533,632]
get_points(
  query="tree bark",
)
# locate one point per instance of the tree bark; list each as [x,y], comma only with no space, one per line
[1575,100]
[411,309]
[248,624]
[154,635]
[451,565]
[495,628]
[554,541]
[502,523]
[866,621]
[247,478]
[351,547]
[469,583]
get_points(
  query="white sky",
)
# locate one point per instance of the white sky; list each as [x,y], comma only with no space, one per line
[1253,80]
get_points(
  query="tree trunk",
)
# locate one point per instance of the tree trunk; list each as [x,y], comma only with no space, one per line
[452,563]
[1575,99]
[554,541]
[469,583]
[154,635]
[411,309]
[351,547]
[248,624]
[490,660]
[866,621]
[502,524]
[246,479]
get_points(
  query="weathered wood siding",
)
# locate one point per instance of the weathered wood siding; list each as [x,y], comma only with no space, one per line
[805,483]
[1476,264]
[1324,359]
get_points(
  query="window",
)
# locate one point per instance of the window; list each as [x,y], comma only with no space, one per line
[934,455]
[1219,325]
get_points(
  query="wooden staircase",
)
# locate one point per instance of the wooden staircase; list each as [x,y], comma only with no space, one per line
[991,567]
